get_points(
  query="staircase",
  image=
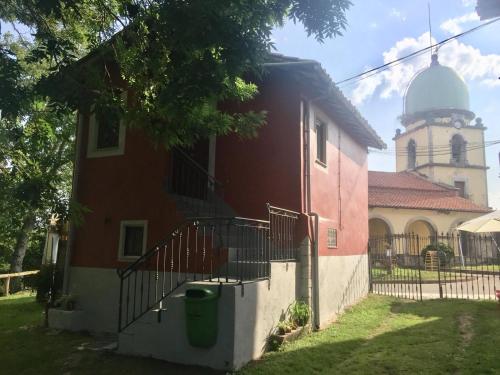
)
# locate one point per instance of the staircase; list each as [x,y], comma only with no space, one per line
[211,245]
[217,249]
[195,192]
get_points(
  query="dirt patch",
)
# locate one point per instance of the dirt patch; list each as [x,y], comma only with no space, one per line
[465,329]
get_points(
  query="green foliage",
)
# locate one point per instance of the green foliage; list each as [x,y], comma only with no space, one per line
[36,153]
[445,252]
[180,59]
[300,312]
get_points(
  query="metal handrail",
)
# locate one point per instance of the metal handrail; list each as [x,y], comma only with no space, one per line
[282,211]
[192,251]
[188,221]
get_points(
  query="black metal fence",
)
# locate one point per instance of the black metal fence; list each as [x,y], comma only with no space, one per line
[212,249]
[452,265]
[282,239]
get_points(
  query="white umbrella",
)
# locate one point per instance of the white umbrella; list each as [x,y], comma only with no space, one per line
[488,223]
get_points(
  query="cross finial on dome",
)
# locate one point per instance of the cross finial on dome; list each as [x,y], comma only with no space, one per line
[434,59]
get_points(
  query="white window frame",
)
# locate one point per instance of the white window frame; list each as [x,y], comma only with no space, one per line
[319,121]
[92,150]
[121,245]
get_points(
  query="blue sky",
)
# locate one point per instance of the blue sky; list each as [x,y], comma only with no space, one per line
[397,28]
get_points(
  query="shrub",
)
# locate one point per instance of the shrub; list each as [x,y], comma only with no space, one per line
[445,252]
[300,313]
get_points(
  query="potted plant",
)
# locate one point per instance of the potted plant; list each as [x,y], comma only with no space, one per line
[300,313]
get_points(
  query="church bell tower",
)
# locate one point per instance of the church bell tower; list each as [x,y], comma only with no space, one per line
[441,139]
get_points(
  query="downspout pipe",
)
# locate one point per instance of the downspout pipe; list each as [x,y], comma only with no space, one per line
[315,251]
[315,272]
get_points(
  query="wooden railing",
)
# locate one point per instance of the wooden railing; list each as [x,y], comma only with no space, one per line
[7,276]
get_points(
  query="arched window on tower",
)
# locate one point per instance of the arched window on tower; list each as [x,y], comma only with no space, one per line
[412,154]
[458,149]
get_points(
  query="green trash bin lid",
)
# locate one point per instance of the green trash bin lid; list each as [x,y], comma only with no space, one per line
[199,294]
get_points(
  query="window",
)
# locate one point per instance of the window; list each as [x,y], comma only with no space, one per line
[133,236]
[106,132]
[321,141]
[460,185]
[412,154]
[458,149]
[332,238]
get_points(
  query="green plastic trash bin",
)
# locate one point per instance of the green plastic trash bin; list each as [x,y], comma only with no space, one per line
[201,317]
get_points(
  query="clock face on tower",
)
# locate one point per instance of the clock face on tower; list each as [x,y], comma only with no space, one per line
[457,124]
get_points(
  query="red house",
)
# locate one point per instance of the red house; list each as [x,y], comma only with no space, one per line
[261,222]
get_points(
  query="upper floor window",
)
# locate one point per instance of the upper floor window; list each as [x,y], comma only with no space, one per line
[321,135]
[458,149]
[460,185]
[412,154]
[106,132]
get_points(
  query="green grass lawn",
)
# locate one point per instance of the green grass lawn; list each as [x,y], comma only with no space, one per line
[383,335]
[410,274]
[404,274]
[28,348]
[484,267]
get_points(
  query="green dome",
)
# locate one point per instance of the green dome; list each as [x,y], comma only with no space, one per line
[437,87]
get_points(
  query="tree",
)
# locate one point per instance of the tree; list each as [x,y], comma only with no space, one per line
[180,58]
[36,152]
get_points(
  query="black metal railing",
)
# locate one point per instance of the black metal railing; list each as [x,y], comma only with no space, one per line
[451,265]
[201,249]
[198,192]
[283,241]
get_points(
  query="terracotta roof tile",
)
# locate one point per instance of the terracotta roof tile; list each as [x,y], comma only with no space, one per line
[402,180]
[408,190]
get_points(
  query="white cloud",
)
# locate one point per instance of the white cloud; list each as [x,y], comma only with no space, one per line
[397,14]
[468,61]
[454,25]
[494,200]
[366,88]
[468,3]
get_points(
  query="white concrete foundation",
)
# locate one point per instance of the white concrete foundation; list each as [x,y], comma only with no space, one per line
[343,281]
[247,315]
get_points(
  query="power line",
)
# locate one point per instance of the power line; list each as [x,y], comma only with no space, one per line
[385,66]
[438,152]
[443,146]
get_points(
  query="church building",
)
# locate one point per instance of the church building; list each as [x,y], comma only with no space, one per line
[440,178]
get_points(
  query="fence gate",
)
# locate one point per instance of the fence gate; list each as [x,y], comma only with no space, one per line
[439,266]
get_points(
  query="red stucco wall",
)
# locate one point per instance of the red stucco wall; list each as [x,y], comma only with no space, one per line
[349,214]
[265,169]
[131,186]
[116,188]
[253,172]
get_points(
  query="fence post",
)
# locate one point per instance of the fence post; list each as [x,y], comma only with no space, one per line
[419,268]
[370,279]
[439,275]
[7,286]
